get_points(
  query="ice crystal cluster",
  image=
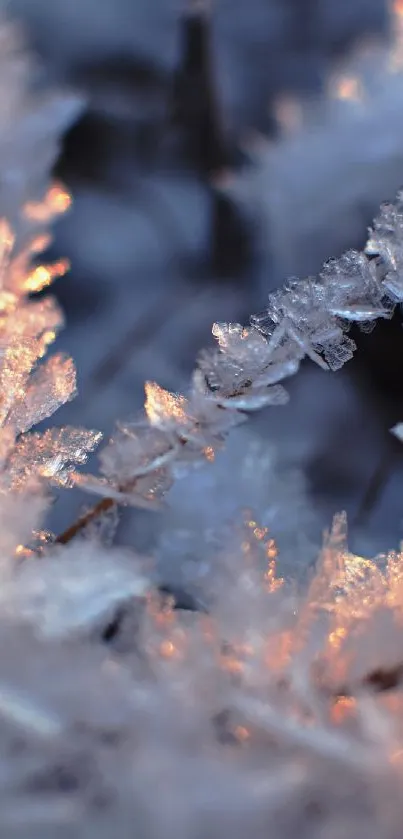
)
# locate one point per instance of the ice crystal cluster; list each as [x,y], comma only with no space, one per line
[271,710]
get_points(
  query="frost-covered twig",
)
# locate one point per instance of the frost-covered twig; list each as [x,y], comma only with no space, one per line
[103,506]
[306,319]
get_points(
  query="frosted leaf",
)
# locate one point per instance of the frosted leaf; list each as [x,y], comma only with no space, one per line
[328,333]
[71,594]
[394,286]
[50,455]
[209,416]
[56,201]
[353,288]
[386,241]
[31,392]
[136,449]
[327,570]
[49,387]
[231,386]
[163,408]
[221,374]
[312,314]
[16,362]
[146,493]
[43,275]
[276,372]
[147,489]
[136,464]
[265,323]
[35,242]
[338,353]
[296,315]
[248,354]
[253,399]
[244,345]
[305,343]
[359,314]
[22,278]
[39,319]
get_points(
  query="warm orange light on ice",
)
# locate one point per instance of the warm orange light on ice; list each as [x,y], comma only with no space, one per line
[167,649]
[231,664]
[40,243]
[209,454]
[161,405]
[57,200]
[43,275]
[7,237]
[261,534]
[337,637]
[47,338]
[279,649]
[343,708]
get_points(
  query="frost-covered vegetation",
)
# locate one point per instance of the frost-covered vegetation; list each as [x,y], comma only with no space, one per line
[267,708]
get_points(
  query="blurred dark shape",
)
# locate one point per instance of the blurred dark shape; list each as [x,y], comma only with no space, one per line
[125,116]
[378,369]
[78,298]
[207,145]
[378,366]
[232,239]
[195,101]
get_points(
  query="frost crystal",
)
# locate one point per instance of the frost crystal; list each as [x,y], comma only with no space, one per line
[73,595]
[31,388]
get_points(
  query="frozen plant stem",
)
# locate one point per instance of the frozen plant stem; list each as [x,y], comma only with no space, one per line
[308,318]
[103,506]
